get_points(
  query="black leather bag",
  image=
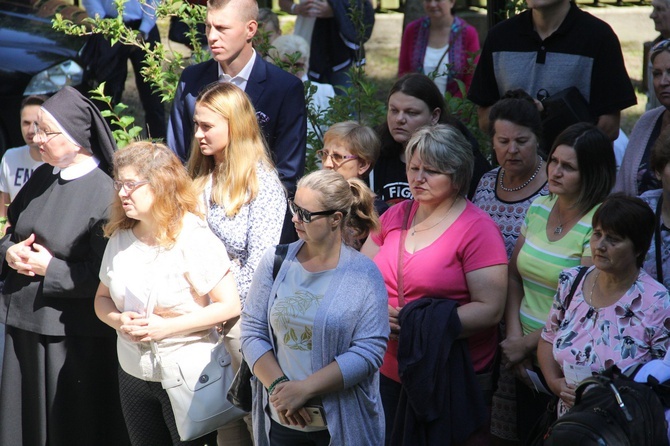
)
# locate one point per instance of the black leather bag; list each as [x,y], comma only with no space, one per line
[239,393]
[561,110]
[611,409]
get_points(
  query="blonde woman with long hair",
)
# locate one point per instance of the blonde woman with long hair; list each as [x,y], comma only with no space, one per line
[164,278]
[244,200]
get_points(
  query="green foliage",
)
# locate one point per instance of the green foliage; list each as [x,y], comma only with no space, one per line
[466,112]
[512,8]
[163,66]
[124,130]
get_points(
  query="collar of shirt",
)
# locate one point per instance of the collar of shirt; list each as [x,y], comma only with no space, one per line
[242,77]
[78,170]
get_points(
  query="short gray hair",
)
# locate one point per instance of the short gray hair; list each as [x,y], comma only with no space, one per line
[446,149]
[289,44]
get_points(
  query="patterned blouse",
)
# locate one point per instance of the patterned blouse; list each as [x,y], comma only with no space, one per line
[651,197]
[508,215]
[256,226]
[633,330]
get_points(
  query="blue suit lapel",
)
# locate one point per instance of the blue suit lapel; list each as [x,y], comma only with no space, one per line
[256,82]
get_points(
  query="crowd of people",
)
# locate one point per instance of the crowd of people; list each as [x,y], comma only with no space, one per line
[426,295]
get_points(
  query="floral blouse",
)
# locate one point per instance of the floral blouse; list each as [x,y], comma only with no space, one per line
[633,330]
[256,227]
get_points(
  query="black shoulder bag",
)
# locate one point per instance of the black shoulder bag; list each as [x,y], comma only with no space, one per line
[541,427]
[239,393]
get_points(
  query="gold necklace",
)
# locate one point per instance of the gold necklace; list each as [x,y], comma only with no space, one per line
[593,308]
[414,230]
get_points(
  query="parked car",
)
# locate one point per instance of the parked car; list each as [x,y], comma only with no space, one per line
[34,58]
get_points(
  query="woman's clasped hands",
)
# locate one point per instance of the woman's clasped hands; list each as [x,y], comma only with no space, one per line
[138,328]
[28,258]
[289,399]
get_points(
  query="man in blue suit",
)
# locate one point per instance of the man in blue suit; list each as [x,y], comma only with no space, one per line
[278,96]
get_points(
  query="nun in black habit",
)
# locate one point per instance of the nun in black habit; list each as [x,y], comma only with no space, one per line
[59,382]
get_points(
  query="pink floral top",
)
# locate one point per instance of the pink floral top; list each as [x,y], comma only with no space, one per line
[634,330]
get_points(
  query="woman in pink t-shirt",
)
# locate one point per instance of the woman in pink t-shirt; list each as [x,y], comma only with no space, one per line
[451,248]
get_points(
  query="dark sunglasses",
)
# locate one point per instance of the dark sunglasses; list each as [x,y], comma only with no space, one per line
[304,215]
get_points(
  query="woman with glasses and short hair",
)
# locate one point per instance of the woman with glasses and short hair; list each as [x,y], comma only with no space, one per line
[441,245]
[315,335]
[352,149]
[165,283]
[59,380]
[636,175]
[244,200]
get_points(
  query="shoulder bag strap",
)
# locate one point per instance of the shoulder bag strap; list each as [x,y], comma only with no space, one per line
[657,240]
[401,252]
[280,254]
[573,288]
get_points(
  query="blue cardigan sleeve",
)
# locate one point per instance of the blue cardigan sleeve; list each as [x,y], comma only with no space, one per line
[371,329]
[255,332]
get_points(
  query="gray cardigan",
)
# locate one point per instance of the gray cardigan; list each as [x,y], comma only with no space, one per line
[626,180]
[351,327]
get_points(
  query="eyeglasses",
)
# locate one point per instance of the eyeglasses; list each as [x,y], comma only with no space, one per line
[304,215]
[337,159]
[43,133]
[129,186]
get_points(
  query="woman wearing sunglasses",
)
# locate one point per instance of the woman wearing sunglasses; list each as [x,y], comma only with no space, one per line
[315,336]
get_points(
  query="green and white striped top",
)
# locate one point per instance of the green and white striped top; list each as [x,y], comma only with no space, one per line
[540,260]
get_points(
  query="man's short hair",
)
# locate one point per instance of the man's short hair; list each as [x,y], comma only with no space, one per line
[34,99]
[247,9]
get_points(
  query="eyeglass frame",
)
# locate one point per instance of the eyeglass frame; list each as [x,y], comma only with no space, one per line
[304,215]
[323,155]
[118,185]
[48,136]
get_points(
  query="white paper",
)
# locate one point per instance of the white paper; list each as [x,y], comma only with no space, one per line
[574,374]
[535,379]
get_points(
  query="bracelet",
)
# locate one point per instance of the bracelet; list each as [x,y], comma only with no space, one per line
[279,380]
[293,6]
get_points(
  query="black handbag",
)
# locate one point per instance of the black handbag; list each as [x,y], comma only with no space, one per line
[239,393]
[541,427]
[561,110]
